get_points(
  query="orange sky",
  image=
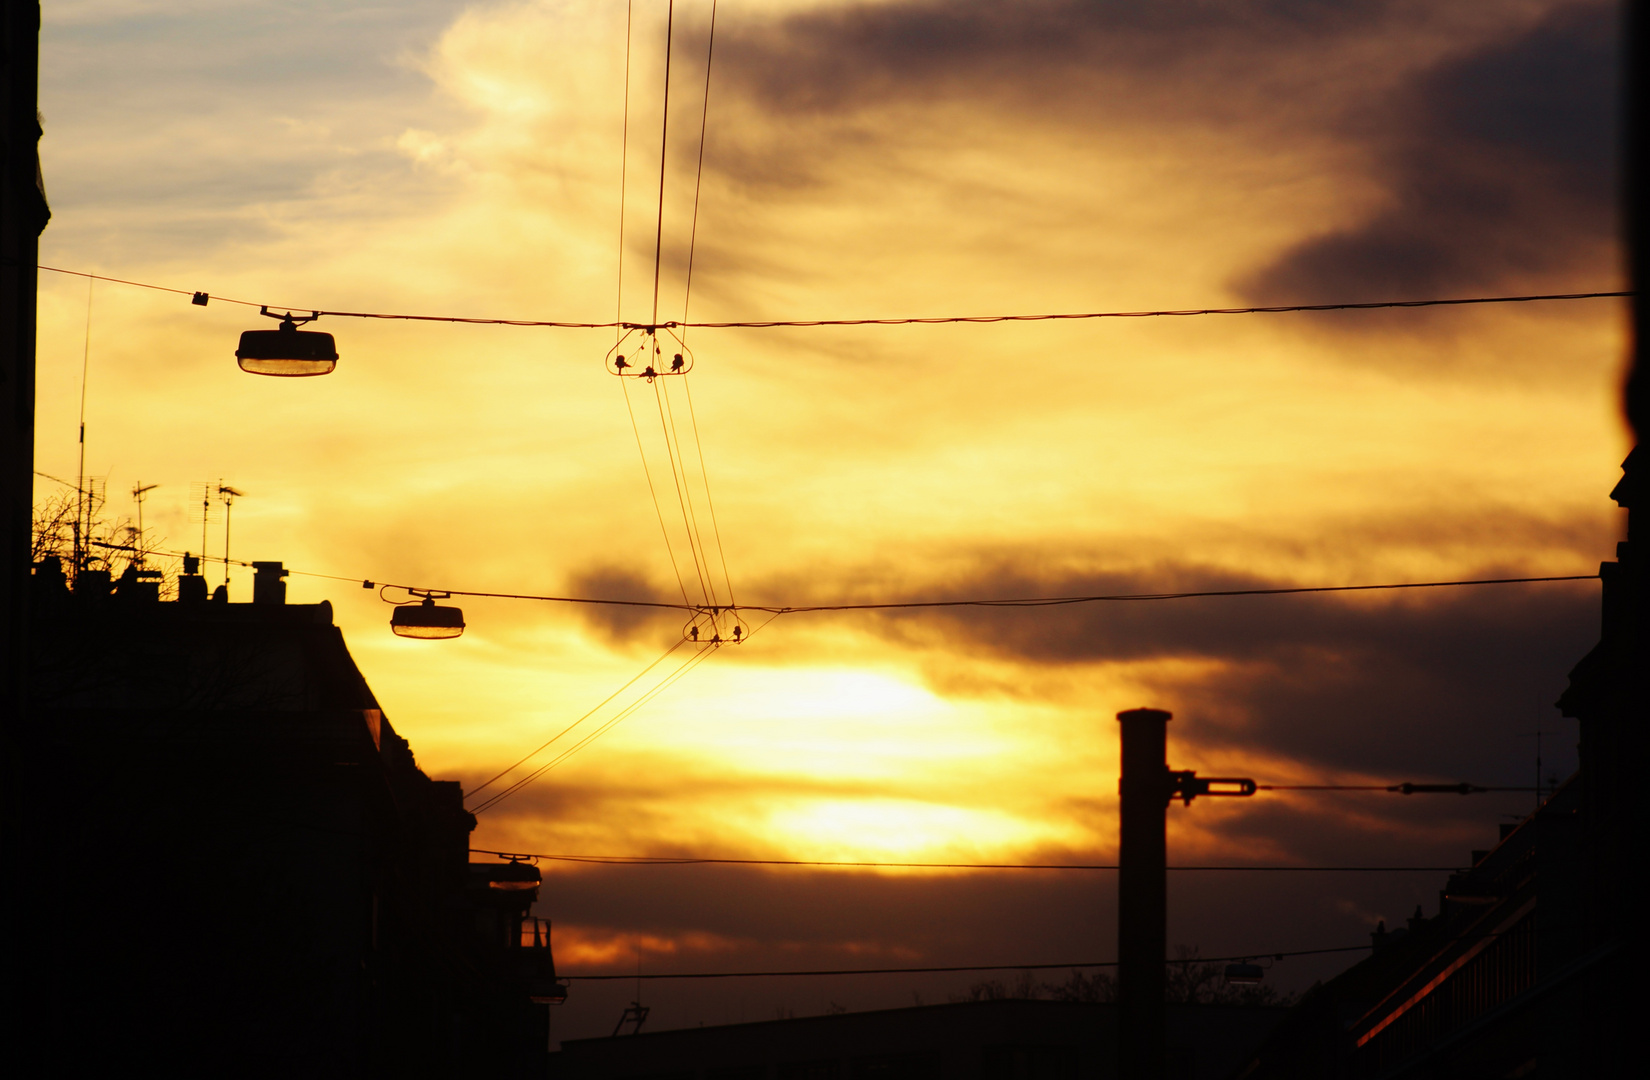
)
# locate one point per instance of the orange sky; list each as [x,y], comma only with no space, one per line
[882,159]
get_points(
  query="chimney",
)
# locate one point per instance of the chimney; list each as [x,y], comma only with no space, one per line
[95,584]
[191,586]
[267,586]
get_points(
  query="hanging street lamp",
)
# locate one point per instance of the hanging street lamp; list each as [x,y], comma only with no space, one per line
[287,351]
[428,620]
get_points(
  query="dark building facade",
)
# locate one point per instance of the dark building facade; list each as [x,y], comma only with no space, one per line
[23,214]
[1006,1039]
[253,876]
[1528,968]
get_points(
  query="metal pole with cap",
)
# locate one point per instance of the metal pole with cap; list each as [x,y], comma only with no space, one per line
[1142,932]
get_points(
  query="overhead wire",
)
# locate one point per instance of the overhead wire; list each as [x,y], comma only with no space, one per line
[703,654]
[664,144]
[665,860]
[552,740]
[1031,602]
[699,170]
[653,493]
[687,299]
[679,478]
[677,458]
[618,317]
[1274,309]
[624,176]
[699,656]
[1056,601]
[963,967]
[710,503]
[70,484]
[1400,789]
[908,320]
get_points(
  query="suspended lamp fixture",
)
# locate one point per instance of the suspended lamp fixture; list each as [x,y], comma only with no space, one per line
[517,875]
[1245,974]
[428,620]
[287,351]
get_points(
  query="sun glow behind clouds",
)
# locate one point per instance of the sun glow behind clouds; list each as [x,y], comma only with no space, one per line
[906,829]
[824,723]
[865,463]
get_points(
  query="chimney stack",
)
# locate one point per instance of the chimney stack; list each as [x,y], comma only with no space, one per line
[191,586]
[267,586]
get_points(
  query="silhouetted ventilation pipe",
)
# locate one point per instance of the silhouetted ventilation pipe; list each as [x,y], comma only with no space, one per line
[428,620]
[287,351]
[1146,787]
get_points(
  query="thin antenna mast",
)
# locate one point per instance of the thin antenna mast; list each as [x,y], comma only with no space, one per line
[203,488]
[139,490]
[82,517]
[227,494]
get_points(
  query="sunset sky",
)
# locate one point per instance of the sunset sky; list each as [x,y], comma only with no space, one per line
[884,159]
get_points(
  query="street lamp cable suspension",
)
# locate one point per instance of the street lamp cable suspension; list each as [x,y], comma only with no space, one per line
[904,320]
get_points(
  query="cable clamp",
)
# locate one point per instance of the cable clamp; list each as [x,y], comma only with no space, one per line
[648,357]
[1187,785]
[288,318]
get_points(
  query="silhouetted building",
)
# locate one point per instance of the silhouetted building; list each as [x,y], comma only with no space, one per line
[1526,970]
[1006,1039]
[23,214]
[253,876]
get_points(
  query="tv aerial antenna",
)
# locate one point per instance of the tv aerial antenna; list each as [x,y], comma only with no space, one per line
[227,495]
[201,510]
[139,491]
[89,500]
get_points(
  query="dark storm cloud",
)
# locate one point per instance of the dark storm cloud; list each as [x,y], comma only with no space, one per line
[1435,681]
[1501,171]
[840,59]
[618,621]
[817,82]
[1498,164]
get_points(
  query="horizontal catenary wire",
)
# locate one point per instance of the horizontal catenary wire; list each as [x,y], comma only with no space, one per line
[1021,602]
[908,320]
[1399,789]
[645,860]
[966,967]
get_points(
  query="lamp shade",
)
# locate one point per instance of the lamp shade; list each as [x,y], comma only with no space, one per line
[287,351]
[1245,974]
[547,993]
[513,877]
[427,620]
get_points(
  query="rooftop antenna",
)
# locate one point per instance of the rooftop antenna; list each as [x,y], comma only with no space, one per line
[83,513]
[139,490]
[89,500]
[228,495]
[200,503]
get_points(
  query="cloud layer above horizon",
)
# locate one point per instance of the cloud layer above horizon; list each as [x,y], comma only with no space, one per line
[870,160]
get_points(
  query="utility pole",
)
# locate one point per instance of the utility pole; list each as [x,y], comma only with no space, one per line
[1145,790]
[1142,919]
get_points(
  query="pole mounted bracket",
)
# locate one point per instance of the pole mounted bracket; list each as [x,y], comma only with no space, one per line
[1187,785]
